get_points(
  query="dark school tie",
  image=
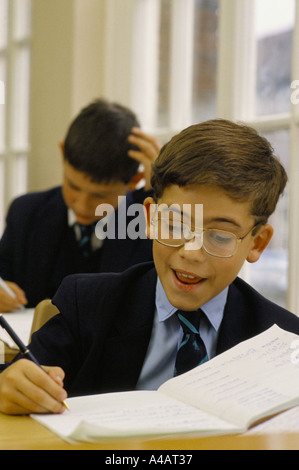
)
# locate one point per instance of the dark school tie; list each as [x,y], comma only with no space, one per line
[192,351]
[84,242]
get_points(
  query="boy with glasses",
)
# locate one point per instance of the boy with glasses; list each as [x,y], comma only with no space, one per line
[129,331]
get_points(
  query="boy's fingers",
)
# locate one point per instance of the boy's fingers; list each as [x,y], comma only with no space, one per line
[9,303]
[45,390]
[149,146]
[26,388]
[21,404]
[145,138]
[21,296]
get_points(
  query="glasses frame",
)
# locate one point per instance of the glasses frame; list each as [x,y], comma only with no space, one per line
[238,239]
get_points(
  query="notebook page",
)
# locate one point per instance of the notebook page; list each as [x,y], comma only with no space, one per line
[286,422]
[128,414]
[254,378]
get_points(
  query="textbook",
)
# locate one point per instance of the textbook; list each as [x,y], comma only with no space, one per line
[252,381]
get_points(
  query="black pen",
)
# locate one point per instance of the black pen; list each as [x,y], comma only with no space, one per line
[24,350]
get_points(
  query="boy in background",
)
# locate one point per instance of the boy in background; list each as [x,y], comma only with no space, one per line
[42,242]
[118,332]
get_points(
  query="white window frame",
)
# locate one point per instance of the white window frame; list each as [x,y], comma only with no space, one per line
[14,158]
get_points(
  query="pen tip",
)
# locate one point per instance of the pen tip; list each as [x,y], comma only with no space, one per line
[66,405]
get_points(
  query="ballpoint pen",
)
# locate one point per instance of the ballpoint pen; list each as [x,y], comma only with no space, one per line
[24,350]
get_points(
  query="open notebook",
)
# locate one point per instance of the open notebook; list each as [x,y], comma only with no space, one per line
[254,380]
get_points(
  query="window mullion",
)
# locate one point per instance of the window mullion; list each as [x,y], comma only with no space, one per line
[144,82]
[236,69]
[181,64]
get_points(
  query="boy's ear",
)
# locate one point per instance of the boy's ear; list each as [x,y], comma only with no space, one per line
[135,180]
[260,242]
[148,206]
[61,146]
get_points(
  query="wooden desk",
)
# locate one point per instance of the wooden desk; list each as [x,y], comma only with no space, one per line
[23,433]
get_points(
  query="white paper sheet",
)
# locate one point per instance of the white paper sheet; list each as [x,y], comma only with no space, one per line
[21,323]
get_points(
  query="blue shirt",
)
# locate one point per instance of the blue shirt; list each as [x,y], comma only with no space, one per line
[167,335]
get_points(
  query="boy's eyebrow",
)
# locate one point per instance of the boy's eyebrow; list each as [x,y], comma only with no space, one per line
[225,220]
[212,220]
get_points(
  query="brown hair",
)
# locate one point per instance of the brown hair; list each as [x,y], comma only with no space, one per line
[221,153]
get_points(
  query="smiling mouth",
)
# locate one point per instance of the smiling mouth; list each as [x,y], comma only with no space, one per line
[187,278]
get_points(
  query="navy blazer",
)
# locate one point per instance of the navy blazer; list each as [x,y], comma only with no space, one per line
[38,248]
[101,336]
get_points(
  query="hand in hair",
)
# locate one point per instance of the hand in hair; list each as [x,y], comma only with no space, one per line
[149,148]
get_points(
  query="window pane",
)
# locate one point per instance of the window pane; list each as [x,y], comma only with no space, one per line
[3,22]
[205,60]
[274,22]
[270,274]
[204,52]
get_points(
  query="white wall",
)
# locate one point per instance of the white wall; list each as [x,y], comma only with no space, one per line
[67,64]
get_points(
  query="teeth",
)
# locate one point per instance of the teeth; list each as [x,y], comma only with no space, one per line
[187,276]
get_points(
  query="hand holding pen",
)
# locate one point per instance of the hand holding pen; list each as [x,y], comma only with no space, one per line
[12,297]
[22,384]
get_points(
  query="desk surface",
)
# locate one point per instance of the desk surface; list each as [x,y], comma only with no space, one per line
[23,433]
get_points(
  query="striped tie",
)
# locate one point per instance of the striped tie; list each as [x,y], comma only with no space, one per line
[192,351]
[84,243]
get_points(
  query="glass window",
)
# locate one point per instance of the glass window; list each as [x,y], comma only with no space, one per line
[274,21]
[202,50]
[270,274]
[15,26]
[205,60]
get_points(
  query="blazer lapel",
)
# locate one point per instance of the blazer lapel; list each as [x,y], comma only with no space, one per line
[127,345]
[238,322]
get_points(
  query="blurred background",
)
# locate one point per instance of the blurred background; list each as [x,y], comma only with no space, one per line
[175,63]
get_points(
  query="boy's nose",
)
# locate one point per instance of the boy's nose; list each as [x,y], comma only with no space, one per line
[193,251]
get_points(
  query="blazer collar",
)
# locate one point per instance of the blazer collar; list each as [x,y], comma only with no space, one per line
[126,348]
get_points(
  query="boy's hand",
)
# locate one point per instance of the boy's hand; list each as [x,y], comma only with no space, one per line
[25,389]
[149,150]
[9,303]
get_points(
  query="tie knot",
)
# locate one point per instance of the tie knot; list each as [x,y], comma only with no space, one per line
[86,230]
[189,321]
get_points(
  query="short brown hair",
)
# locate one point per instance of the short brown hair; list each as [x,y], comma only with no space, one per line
[97,145]
[221,153]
